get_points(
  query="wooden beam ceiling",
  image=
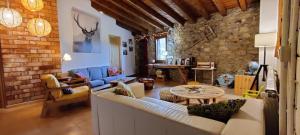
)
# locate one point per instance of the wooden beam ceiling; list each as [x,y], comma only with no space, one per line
[186,10]
[220,6]
[243,4]
[122,19]
[142,16]
[165,8]
[125,14]
[152,12]
[198,5]
[133,10]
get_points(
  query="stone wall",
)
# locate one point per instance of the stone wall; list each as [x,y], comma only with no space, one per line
[231,49]
[27,57]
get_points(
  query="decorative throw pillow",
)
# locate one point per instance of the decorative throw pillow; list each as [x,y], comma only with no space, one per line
[113,71]
[221,111]
[124,88]
[67,91]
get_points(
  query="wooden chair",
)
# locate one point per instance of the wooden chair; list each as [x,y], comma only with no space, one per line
[54,96]
[253,93]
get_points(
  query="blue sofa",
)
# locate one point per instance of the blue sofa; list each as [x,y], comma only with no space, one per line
[97,76]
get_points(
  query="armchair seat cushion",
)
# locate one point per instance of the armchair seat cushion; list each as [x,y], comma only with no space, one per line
[112,78]
[96,83]
[77,92]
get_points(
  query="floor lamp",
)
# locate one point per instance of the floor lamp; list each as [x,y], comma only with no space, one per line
[263,40]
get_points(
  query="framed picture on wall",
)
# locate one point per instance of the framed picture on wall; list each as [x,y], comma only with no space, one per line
[125,52]
[130,48]
[124,44]
[86,32]
[130,42]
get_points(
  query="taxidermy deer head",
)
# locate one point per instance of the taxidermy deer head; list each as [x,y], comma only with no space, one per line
[88,34]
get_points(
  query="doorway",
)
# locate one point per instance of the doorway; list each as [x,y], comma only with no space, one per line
[115,53]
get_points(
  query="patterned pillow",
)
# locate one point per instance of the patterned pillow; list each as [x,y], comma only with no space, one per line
[113,71]
[124,89]
[221,111]
[67,91]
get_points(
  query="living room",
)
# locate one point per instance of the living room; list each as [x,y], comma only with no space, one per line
[144,67]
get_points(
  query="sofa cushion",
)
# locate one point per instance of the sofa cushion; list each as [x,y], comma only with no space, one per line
[125,89]
[104,70]
[250,118]
[113,71]
[95,73]
[112,78]
[165,104]
[77,92]
[96,83]
[83,72]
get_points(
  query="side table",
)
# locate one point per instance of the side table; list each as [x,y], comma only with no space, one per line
[148,83]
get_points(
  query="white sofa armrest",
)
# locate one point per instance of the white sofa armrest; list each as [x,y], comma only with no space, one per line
[137,89]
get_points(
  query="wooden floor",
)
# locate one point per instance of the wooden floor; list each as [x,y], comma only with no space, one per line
[25,119]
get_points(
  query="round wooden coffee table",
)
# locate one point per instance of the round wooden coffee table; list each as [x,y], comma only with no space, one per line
[199,92]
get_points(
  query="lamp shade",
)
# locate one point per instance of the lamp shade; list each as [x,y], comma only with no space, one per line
[67,57]
[33,5]
[10,18]
[39,27]
[266,39]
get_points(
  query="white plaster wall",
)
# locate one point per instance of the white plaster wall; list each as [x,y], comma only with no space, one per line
[268,22]
[107,27]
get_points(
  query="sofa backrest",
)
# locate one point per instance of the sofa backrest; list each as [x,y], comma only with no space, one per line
[121,115]
[92,73]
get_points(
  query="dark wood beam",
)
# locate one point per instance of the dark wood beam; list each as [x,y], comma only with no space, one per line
[220,6]
[152,12]
[133,10]
[165,8]
[202,9]
[186,10]
[127,21]
[130,28]
[125,14]
[243,4]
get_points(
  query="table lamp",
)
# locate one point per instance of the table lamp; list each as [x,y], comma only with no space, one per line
[67,57]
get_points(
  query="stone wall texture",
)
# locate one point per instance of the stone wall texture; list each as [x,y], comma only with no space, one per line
[232,48]
[27,57]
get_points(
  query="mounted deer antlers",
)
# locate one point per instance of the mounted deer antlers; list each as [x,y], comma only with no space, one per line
[87,33]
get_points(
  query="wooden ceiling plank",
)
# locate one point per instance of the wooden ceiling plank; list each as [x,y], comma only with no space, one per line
[243,4]
[126,26]
[164,7]
[125,14]
[107,11]
[220,6]
[202,9]
[186,10]
[138,13]
[152,12]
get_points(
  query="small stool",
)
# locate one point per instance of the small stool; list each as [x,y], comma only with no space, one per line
[166,95]
[148,83]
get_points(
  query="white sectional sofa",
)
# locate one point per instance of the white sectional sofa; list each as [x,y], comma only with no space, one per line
[121,115]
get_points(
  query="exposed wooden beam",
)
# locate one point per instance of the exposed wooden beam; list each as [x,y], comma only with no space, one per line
[133,10]
[107,11]
[202,9]
[125,14]
[164,7]
[152,12]
[220,6]
[243,4]
[130,28]
[186,10]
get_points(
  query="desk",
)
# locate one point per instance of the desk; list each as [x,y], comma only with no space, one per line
[179,68]
[205,69]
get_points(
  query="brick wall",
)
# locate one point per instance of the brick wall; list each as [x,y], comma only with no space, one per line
[27,57]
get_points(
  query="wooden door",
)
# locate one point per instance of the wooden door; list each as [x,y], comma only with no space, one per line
[115,53]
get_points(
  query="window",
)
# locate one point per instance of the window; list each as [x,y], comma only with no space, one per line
[161,48]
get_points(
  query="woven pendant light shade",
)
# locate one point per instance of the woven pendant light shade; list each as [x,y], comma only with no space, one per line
[39,27]
[10,18]
[33,5]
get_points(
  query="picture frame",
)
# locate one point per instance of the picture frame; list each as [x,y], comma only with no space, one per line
[124,44]
[125,52]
